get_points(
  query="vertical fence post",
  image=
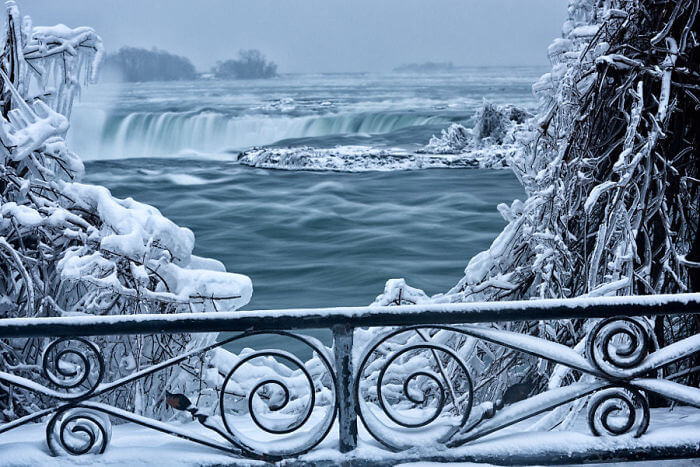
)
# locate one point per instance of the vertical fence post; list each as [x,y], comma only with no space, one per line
[347,413]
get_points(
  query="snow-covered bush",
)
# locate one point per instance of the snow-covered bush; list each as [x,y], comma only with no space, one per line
[453,140]
[68,248]
[494,139]
[612,177]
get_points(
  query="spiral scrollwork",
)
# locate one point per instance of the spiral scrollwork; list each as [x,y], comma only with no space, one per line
[292,407]
[77,431]
[617,411]
[74,365]
[420,393]
[616,346]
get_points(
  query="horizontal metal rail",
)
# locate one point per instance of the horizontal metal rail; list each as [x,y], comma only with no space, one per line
[412,345]
[367,316]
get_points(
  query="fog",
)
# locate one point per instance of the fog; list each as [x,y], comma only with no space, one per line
[322,35]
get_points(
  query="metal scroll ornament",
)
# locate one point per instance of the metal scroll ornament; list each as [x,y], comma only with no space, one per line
[292,408]
[414,392]
[616,346]
[78,431]
[74,365]
[618,411]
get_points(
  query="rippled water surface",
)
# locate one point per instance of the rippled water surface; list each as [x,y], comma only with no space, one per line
[322,239]
[305,238]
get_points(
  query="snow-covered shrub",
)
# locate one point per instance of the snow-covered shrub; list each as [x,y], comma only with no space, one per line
[492,122]
[68,248]
[453,140]
[492,141]
[611,173]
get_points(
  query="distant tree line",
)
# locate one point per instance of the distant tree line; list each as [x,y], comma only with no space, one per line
[135,64]
[251,64]
[426,67]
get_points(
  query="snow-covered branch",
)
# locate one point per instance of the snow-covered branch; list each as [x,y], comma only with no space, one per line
[68,248]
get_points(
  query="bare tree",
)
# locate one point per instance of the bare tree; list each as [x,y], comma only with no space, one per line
[251,64]
[612,174]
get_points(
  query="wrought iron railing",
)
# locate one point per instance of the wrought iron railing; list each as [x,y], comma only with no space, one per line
[406,381]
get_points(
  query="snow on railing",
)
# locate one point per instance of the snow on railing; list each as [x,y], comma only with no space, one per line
[404,378]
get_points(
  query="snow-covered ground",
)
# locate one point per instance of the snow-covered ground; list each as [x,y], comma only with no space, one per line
[135,445]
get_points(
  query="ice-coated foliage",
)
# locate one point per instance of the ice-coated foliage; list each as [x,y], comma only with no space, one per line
[611,174]
[495,138]
[455,139]
[68,248]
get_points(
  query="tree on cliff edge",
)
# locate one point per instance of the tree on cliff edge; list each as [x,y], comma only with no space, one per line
[251,64]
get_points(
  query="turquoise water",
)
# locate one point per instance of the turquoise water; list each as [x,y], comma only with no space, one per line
[306,239]
[322,239]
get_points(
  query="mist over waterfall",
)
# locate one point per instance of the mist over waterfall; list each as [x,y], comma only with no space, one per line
[159,134]
[219,118]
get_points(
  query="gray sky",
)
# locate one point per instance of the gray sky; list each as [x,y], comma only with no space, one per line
[321,35]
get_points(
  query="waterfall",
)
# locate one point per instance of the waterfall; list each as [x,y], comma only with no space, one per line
[95,134]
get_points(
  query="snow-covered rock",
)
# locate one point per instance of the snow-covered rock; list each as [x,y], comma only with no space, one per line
[492,141]
[365,158]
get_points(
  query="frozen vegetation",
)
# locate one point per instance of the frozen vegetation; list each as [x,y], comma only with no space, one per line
[495,126]
[608,164]
[71,249]
[251,64]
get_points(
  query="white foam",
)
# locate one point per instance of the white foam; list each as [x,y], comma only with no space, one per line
[185,179]
[157,134]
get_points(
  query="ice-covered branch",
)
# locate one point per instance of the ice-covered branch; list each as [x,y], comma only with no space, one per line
[69,248]
[608,171]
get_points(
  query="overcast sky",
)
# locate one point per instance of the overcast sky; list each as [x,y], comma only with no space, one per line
[321,35]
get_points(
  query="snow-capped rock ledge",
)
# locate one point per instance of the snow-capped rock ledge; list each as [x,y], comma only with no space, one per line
[489,145]
[365,159]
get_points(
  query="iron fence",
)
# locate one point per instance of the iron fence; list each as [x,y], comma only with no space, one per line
[405,381]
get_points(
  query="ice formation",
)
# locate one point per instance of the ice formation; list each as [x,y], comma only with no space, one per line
[69,248]
[490,144]
[497,129]
[610,171]
[365,158]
